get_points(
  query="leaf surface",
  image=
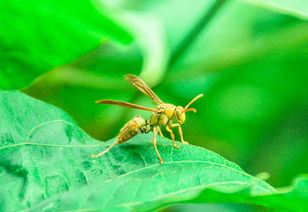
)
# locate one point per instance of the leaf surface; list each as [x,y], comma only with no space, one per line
[45,165]
[292,198]
[45,160]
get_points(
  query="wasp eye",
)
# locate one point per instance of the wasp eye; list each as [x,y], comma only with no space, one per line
[177,115]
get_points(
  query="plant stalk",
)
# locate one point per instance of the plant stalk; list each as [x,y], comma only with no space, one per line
[193,34]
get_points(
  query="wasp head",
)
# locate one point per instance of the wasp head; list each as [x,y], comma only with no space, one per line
[180,111]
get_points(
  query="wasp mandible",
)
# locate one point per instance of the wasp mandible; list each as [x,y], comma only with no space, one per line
[163,115]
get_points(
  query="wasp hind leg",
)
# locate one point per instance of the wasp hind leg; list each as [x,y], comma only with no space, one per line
[155,146]
[172,137]
[105,151]
[160,132]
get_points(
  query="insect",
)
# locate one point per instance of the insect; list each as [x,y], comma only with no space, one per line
[163,115]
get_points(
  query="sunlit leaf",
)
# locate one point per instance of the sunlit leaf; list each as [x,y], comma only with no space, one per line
[45,163]
[292,198]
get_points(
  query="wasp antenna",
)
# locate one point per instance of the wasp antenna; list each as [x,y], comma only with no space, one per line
[99,101]
[193,100]
[190,109]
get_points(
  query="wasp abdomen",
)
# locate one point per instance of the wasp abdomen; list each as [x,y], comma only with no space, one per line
[132,128]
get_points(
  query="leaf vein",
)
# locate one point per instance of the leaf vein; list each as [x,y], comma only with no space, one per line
[177,162]
[49,122]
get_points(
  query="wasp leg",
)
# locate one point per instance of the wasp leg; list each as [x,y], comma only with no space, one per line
[154,144]
[160,132]
[172,137]
[106,150]
[180,132]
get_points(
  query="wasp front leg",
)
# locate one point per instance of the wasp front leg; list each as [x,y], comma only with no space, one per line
[172,136]
[180,132]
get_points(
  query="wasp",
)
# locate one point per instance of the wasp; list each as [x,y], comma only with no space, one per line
[165,114]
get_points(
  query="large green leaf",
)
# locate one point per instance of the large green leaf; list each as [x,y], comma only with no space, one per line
[37,36]
[45,164]
[292,198]
[297,8]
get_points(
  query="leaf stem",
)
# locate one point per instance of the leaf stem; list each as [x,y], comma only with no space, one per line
[195,32]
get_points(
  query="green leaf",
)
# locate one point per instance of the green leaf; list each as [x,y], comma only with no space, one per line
[292,198]
[37,36]
[45,164]
[297,8]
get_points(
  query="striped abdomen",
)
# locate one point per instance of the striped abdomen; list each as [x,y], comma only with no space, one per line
[132,128]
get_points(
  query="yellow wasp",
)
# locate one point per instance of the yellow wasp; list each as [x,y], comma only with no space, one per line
[163,115]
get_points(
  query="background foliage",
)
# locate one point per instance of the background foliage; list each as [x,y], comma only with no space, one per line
[249,58]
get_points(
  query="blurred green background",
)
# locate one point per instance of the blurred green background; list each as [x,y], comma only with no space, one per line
[249,61]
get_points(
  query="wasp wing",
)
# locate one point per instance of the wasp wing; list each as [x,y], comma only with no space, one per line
[143,87]
[124,104]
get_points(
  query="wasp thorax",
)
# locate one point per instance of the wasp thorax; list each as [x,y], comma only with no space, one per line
[180,114]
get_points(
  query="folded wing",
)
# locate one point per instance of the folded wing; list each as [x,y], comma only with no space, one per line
[143,87]
[124,104]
